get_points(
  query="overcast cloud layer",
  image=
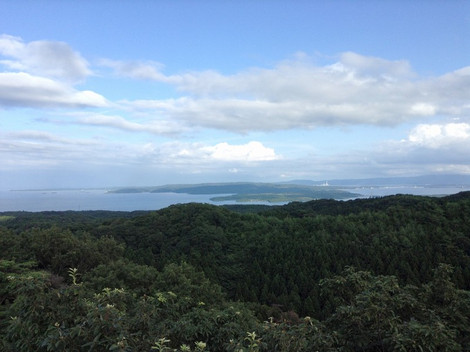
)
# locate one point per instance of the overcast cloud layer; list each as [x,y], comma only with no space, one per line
[298,94]
[61,121]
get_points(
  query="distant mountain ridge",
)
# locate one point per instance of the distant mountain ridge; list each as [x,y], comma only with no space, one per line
[423,180]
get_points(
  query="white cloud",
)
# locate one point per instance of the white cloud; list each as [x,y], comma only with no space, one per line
[298,94]
[134,69]
[22,89]
[207,156]
[44,58]
[436,136]
[252,151]
[375,67]
[118,122]
[42,74]
[423,109]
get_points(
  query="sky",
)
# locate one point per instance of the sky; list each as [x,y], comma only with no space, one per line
[117,93]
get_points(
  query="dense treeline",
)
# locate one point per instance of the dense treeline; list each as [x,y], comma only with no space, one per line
[279,256]
[381,274]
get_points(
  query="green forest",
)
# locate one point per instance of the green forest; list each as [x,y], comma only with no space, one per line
[378,274]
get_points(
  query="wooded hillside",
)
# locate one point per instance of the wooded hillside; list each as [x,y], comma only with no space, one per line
[381,274]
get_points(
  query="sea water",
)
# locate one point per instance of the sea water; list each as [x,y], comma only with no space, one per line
[101,199]
[61,200]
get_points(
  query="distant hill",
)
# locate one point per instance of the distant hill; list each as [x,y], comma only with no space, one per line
[298,190]
[250,192]
[424,180]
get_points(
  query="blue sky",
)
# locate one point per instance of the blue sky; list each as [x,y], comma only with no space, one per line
[116,93]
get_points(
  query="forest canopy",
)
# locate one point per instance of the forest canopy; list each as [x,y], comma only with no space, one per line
[379,274]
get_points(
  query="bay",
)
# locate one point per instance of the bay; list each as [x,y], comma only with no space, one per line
[100,199]
[77,200]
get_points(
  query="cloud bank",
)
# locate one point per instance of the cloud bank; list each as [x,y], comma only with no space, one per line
[45,58]
[355,90]
[118,122]
[435,136]
[24,90]
[294,94]
[169,136]
[42,146]
[43,74]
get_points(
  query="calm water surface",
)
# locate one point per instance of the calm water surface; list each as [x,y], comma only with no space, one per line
[92,200]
